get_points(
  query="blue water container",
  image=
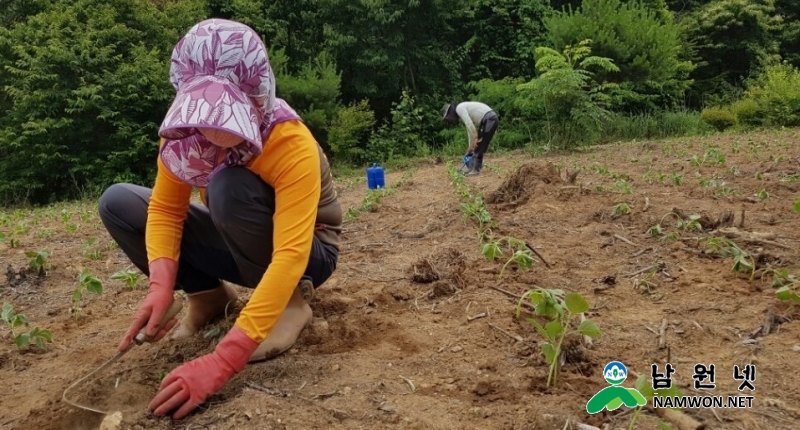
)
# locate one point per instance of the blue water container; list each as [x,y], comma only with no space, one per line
[375,177]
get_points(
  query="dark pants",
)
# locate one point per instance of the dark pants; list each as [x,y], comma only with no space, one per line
[229,240]
[486,131]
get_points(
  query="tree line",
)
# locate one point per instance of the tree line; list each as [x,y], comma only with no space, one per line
[84,83]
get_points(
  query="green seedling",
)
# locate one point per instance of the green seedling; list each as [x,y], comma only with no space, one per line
[670,237]
[677,179]
[521,254]
[655,230]
[13,242]
[70,228]
[762,195]
[620,176]
[477,209]
[89,251]
[38,261]
[601,170]
[22,340]
[86,283]
[491,249]
[620,209]
[796,206]
[711,183]
[562,309]
[724,247]
[710,157]
[724,191]
[45,233]
[22,229]
[690,224]
[623,186]
[352,214]
[131,278]
[786,284]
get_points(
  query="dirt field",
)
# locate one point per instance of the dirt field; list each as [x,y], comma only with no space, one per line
[412,331]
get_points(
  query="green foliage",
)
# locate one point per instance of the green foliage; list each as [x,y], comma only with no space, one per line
[788,31]
[724,247]
[653,125]
[494,52]
[349,131]
[561,309]
[84,89]
[131,278]
[719,118]
[22,340]
[405,134]
[748,113]
[786,284]
[573,101]
[84,83]
[520,254]
[643,42]
[86,283]
[732,37]
[386,47]
[38,260]
[313,91]
[777,93]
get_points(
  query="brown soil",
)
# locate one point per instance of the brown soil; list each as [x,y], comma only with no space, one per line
[409,332]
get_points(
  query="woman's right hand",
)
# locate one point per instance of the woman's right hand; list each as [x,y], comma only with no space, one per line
[155,305]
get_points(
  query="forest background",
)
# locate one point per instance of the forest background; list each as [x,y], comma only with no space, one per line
[84,83]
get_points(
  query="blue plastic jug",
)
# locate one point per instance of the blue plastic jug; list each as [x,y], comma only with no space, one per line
[375,177]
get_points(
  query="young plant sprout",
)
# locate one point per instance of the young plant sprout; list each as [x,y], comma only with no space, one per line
[86,282]
[620,209]
[38,261]
[22,340]
[131,278]
[562,310]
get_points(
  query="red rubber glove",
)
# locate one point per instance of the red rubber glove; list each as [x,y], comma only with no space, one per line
[162,286]
[190,384]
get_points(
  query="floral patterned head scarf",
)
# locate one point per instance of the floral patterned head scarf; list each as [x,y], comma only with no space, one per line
[221,72]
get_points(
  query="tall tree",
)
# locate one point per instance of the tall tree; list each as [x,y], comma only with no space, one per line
[647,48]
[87,86]
[383,46]
[788,32]
[732,38]
[500,37]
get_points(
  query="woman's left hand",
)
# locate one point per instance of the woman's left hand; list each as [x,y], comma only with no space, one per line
[189,385]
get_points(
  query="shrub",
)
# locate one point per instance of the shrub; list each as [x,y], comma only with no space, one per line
[748,112]
[719,118]
[777,92]
[403,134]
[349,130]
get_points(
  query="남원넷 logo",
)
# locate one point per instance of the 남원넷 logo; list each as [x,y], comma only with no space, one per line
[663,394]
[616,395]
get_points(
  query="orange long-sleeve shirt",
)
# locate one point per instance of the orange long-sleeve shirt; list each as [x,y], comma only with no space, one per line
[290,163]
